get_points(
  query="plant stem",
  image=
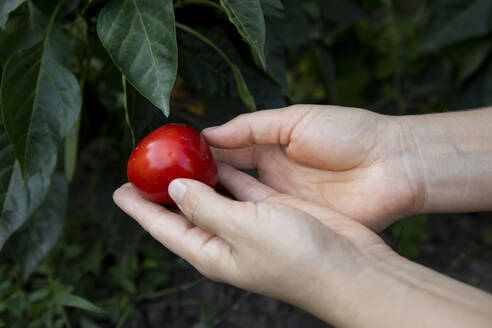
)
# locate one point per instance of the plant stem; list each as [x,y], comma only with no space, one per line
[171,290]
[207,3]
[206,40]
[233,308]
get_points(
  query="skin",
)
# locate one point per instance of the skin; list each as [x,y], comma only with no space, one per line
[329,176]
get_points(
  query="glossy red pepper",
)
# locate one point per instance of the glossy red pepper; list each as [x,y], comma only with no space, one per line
[170,152]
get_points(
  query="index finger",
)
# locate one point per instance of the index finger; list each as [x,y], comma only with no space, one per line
[264,127]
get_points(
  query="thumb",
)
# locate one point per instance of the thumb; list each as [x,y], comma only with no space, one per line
[259,128]
[206,208]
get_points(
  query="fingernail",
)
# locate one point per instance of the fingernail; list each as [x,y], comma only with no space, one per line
[177,190]
[210,129]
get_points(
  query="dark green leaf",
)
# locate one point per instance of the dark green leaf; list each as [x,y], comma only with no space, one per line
[21,33]
[6,7]
[276,57]
[40,233]
[265,91]
[141,39]
[295,29]
[75,301]
[207,75]
[474,56]
[77,42]
[478,91]
[18,198]
[471,22]
[47,7]
[204,69]
[242,88]
[410,233]
[272,8]
[277,4]
[40,102]
[247,16]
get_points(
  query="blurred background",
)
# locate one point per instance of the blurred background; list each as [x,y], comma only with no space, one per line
[392,57]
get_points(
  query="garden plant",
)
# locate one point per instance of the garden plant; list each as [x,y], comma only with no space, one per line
[83,81]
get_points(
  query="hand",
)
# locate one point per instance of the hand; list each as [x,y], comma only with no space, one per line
[303,253]
[268,243]
[345,158]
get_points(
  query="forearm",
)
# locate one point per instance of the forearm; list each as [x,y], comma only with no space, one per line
[395,292]
[450,155]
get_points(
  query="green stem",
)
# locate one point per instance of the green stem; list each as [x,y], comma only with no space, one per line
[207,3]
[242,88]
[171,290]
[65,317]
[206,40]
[127,111]
[233,308]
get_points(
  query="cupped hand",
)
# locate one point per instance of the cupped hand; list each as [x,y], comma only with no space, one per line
[266,242]
[348,159]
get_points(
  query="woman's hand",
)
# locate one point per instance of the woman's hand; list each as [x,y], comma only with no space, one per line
[372,168]
[345,158]
[302,253]
[268,243]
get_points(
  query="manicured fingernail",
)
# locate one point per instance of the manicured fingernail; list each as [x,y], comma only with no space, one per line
[177,190]
[210,129]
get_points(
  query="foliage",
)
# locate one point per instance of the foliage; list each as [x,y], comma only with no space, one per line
[83,80]
[410,233]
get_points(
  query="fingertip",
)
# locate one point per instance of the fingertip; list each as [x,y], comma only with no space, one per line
[121,192]
[209,130]
[177,189]
[212,134]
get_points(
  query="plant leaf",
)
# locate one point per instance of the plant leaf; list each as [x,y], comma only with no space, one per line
[40,100]
[18,198]
[410,233]
[272,8]
[276,58]
[6,7]
[203,68]
[48,7]
[21,33]
[140,36]
[473,58]
[472,22]
[247,16]
[242,88]
[40,233]
[79,302]
[295,29]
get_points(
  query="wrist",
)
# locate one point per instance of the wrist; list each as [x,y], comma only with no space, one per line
[448,157]
[390,291]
